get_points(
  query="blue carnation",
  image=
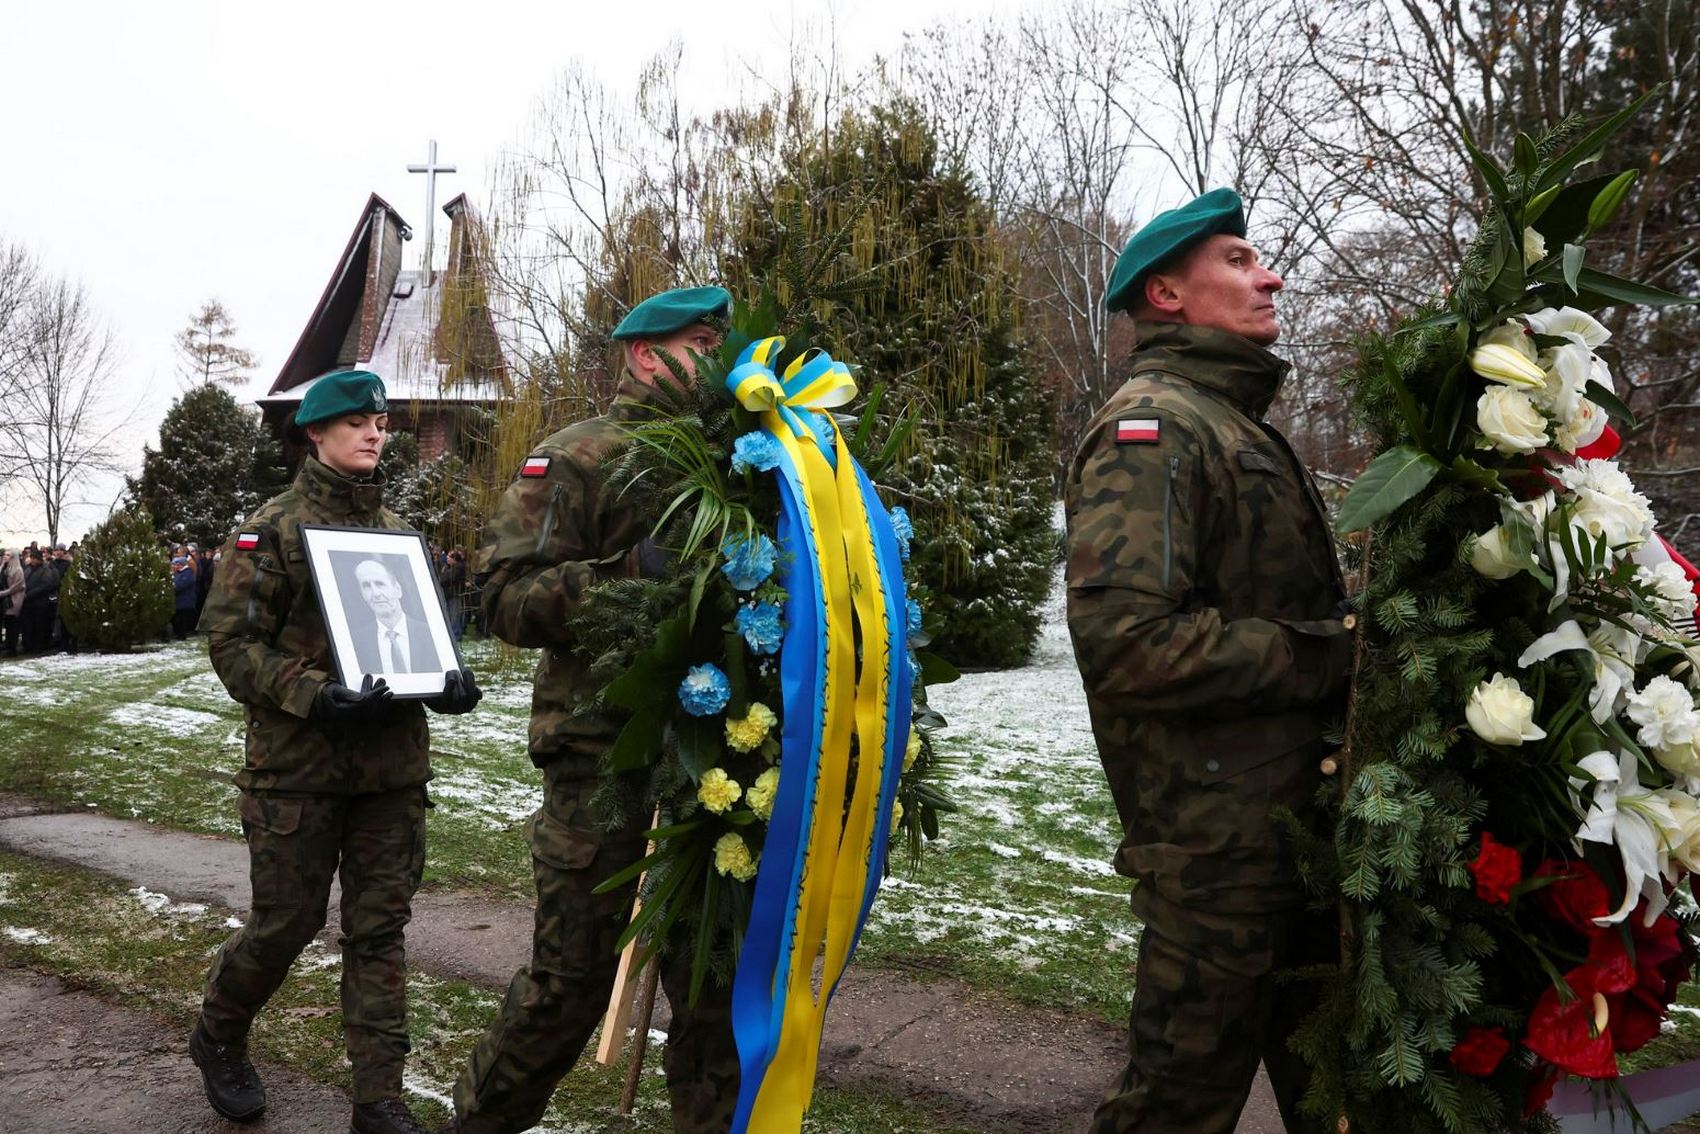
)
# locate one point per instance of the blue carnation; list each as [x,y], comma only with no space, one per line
[705,690]
[761,628]
[757,450]
[914,618]
[903,528]
[748,561]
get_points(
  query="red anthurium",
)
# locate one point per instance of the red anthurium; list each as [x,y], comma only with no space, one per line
[1608,957]
[1497,869]
[1574,1035]
[1577,898]
[1480,1051]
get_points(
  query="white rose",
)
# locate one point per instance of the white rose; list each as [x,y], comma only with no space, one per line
[1534,248]
[1501,713]
[1509,420]
[1606,503]
[1680,760]
[1682,837]
[1569,322]
[1665,711]
[1492,557]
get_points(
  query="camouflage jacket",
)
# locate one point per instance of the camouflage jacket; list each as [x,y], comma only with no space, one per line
[270,648]
[1203,587]
[559,530]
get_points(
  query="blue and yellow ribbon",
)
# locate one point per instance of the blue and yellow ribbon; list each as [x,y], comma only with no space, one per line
[822,862]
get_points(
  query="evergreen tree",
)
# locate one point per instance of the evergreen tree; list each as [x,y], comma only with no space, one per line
[118,591]
[435,497]
[926,310]
[207,354]
[215,464]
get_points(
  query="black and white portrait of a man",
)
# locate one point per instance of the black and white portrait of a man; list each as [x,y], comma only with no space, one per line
[392,637]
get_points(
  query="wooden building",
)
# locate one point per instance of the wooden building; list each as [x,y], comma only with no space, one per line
[429,335]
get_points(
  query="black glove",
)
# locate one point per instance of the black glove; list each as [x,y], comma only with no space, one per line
[649,560]
[337,702]
[460,694]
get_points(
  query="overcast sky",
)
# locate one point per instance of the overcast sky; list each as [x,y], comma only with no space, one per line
[166,153]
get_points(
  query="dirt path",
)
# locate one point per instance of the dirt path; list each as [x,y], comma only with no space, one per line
[71,1062]
[991,1063]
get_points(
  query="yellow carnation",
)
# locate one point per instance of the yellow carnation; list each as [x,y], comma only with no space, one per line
[732,856]
[761,793]
[744,735]
[912,750]
[718,791]
[896,813]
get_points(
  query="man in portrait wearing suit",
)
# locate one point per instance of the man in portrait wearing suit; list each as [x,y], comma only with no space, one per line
[395,642]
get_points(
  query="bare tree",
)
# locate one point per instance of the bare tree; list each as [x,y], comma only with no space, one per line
[18,278]
[54,436]
[206,352]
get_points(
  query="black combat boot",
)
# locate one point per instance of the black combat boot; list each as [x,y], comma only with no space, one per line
[233,1086]
[386,1116]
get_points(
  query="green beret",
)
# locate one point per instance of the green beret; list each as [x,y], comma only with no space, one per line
[671,311]
[1167,235]
[341,393]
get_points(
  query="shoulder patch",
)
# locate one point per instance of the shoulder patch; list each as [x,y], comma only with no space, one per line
[247,541]
[1138,431]
[535,467]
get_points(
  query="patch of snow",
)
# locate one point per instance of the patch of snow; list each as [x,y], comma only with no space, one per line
[496,802]
[233,923]
[170,719]
[1075,862]
[159,904]
[1002,851]
[26,936]
[425,1089]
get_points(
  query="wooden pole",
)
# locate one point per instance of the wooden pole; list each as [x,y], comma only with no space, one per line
[617,1018]
[640,1042]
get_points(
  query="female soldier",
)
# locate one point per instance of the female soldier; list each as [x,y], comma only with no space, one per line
[334,779]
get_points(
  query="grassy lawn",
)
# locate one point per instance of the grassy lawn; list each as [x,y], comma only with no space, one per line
[152,955]
[1016,896]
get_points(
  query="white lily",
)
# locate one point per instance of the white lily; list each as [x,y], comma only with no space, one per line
[1568,369]
[1613,651]
[1569,322]
[1633,818]
[1507,365]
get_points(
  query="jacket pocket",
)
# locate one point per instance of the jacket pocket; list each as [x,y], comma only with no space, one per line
[559,844]
[279,816]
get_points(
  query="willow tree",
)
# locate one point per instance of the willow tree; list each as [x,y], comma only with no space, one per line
[928,308]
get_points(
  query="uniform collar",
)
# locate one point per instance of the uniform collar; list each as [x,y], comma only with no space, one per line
[1221,361]
[337,495]
[631,396]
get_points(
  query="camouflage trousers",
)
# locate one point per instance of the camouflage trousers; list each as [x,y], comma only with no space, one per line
[555,1002]
[1207,1008]
[375,844]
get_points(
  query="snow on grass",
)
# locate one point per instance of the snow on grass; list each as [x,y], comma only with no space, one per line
[493,801]
[169,719]
[27,936]
[162,906]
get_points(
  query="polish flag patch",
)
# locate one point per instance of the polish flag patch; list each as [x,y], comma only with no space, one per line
[535,467]
[247,541]
[1138,431]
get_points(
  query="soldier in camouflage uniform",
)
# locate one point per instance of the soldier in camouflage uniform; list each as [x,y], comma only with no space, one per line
[333,780]
[560,530]
[1205,601]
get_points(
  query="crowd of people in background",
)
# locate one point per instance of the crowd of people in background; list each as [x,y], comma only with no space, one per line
[30,579]
[29,600]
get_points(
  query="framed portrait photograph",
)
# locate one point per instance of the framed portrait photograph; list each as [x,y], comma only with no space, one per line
[382,608]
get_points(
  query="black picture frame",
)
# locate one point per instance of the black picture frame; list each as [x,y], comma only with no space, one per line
[375,584]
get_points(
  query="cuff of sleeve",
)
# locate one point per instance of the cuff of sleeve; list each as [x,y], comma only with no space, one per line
[305,695]
[1325,644]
